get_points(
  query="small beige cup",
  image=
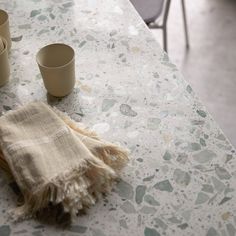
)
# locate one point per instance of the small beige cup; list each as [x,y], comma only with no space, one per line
[4,28]
[57,66]
[4,64]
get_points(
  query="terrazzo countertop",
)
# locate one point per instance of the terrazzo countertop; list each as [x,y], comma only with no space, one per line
[182,176]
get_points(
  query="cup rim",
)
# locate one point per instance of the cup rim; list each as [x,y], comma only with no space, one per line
[55,67]
[7,17]
[5,45]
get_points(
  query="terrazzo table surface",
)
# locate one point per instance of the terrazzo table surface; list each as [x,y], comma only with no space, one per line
[182,176]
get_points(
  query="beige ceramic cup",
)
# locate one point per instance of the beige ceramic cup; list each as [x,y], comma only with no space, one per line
[4,28]
[57,66]
[4,64]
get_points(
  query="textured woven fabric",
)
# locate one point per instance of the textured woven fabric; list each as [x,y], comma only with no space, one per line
[55,162]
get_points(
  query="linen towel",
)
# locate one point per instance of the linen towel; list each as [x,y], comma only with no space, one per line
[54,162]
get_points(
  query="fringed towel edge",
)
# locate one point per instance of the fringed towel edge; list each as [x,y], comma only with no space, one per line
[76,189]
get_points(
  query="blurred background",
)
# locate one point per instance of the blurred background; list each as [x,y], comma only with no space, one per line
[210,63]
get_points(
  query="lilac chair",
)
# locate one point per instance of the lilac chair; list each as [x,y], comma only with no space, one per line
[152,10]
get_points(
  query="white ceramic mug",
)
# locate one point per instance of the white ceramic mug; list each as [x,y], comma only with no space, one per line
[4,28]
[57,66]
[4,64]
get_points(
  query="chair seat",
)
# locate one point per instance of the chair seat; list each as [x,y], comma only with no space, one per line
[149,10]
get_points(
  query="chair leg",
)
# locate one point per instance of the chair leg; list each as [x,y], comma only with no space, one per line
[164,26]
[165,39]
[185,24]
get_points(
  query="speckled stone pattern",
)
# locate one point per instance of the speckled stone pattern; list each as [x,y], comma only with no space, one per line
[182,176]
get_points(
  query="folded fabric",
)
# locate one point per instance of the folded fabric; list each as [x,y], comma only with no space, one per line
[54,162]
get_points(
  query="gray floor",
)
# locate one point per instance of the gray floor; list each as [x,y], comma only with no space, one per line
[210,64]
